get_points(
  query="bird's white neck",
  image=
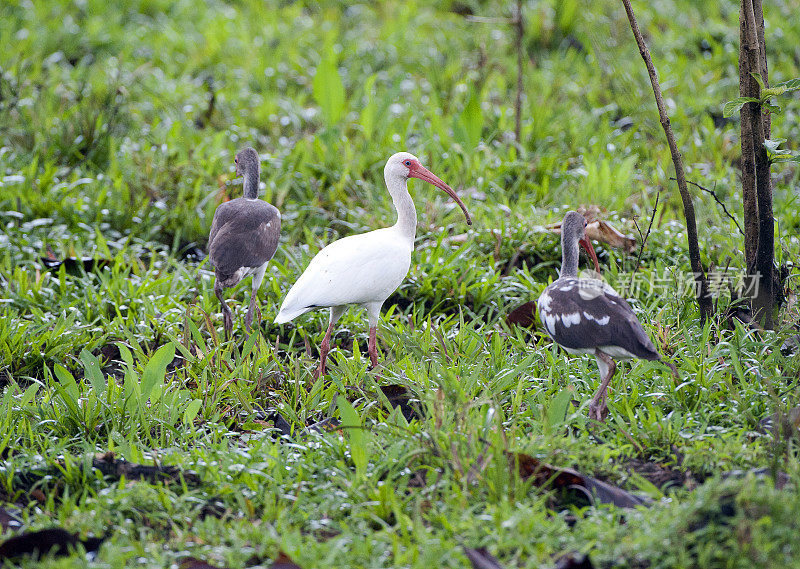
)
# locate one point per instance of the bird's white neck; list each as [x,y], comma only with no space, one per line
[406,224]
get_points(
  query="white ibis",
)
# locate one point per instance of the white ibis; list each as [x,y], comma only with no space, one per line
[364,269]
[244,236]
[587,316]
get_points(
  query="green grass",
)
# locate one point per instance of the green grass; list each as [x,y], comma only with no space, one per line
[109,151]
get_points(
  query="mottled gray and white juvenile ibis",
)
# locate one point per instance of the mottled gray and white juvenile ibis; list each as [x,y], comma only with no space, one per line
[243,239]
[587,316]
[364,269]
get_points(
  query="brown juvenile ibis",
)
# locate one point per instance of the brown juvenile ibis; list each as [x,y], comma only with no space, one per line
[364,269]
[244,236]
[587,316]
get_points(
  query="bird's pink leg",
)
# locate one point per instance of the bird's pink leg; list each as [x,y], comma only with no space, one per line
[597,408]
[324,348]
[373,346]
[373,313]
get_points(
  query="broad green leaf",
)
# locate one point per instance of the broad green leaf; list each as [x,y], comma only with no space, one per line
[790,85]
[351,425]
[786,158]
[772,145]
[191,411]
[567,11]
[735,105]
[776,154]
[368,113]
[328,89]
[759,80]
[470,122]
[156,369]
[67,387]
[29,394]
[131,387]
[771,92]
[92,372]
[557,410]
[780,89]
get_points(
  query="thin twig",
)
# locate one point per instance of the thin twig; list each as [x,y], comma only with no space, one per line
[488,20]
[703,300]
[716,198]
[520,29]
[644,237]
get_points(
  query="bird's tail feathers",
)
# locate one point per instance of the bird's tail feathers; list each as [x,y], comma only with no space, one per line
[288,314]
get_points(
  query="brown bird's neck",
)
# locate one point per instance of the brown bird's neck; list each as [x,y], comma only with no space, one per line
[569,256]
[251,183]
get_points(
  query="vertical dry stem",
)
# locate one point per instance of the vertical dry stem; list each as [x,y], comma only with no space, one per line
[756,183]
[520,32]
[703,299]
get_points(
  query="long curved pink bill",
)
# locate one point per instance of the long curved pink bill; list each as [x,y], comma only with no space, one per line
[423,173]
[587,245]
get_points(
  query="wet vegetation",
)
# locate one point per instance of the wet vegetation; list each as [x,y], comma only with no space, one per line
[126,419]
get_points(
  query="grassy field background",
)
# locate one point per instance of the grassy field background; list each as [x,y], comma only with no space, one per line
[118,127]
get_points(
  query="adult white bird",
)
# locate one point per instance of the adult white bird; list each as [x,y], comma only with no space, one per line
[587,316]
[364,269]
[244,236]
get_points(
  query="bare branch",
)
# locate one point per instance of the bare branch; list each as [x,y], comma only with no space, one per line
[643,238]
[716,198]
[520,29]
[488,20]
[703,299]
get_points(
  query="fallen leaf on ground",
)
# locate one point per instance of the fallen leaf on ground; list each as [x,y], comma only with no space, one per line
[569,480]
[481,558]
[523,316]
[56,541]
[194,563]
[791,345]
[8,521]
[400,396]
[574,561]
[785,424]
[73,265]
[108,465]
[660,475]
[283,561]
[780,478]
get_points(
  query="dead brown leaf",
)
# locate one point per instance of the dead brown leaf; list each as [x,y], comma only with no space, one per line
[481,558]
[600,230]
[194,563]
[8,521]
[55,541]
[400,396]
[283,561]
[571,481]
[574,561]
[523,316]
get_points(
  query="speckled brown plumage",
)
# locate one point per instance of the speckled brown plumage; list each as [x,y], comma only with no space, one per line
[244,237]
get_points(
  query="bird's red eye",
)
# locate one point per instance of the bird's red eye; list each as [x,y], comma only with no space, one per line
[407,162]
